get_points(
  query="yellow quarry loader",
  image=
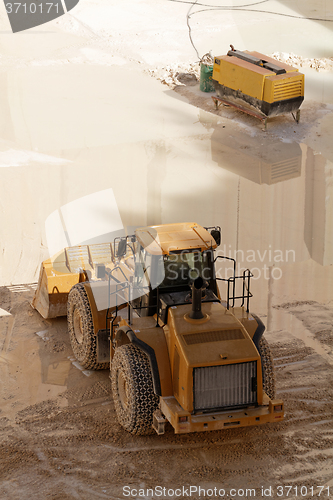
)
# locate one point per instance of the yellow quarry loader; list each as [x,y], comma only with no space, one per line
[267,85]
[149,307]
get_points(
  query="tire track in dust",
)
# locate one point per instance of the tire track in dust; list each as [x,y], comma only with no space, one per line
[288,321]
[8,336]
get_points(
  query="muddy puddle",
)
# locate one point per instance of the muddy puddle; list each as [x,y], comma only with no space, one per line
[166,156]
[271,196]
[36,363]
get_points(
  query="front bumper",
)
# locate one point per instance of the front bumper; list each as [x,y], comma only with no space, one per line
[184,422]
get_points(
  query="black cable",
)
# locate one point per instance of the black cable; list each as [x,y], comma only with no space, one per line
[189,27]
[263,12]
[226,6]
[235,8]
[241,8]
[188,15]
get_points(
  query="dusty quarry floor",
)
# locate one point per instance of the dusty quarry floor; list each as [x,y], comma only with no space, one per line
[60,438]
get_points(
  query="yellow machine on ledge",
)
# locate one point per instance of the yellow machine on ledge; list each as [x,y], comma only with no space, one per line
[271,87]
[180,353]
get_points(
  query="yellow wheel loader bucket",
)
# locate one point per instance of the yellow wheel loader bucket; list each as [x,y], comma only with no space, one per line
[53,288]
[59,274]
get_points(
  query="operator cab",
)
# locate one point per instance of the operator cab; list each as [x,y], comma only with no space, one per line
[164,274]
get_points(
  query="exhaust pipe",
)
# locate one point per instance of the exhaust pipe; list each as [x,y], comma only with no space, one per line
[196,312]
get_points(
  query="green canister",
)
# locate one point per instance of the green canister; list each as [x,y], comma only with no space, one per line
[206,82]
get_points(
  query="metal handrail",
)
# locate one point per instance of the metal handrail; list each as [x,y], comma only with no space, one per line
[245,277]
[114,269]
[123,286]
[117,239]
[120,287]
[232,278]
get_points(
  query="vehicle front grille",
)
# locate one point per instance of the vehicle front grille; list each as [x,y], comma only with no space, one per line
[225,386]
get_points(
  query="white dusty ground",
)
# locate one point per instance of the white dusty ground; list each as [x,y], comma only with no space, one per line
[82,110]
[59,438]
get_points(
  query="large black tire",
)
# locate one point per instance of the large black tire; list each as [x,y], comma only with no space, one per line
[267,368]
[132,388]
[81,329]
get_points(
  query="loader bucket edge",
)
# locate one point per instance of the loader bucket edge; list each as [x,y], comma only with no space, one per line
[51,295]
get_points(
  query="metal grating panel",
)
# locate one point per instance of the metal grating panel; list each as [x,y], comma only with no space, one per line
[218,336]
[86,256]
[78,258]
[225,386]
[283,90]
[101,253]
